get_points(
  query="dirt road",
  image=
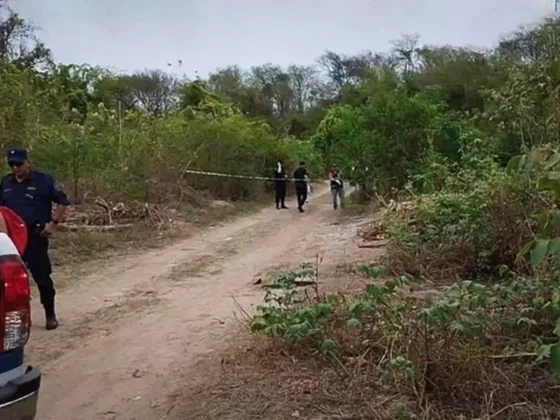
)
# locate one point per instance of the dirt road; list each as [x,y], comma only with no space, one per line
[134,330]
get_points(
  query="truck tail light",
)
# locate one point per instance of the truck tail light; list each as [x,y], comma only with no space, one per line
[15,311]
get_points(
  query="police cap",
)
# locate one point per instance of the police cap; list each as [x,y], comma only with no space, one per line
[17,155]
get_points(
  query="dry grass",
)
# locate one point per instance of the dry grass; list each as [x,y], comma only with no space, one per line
[274,381]
[266,380]
[74,251]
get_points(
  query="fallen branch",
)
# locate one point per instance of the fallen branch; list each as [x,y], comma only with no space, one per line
[302,283]
[376,245]
[508,407]
[102,203]
[512,356]
[90,228]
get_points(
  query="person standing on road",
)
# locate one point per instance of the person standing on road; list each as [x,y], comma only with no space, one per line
[30,194]
[280,181]
[301,178]
[337,189]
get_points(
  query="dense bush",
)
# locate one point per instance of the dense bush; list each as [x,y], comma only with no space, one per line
[473,233]
[386,135]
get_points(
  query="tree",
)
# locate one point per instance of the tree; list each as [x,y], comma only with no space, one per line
[461,75]
[305,86]
[405,52]
[152,90]
[540,43]
[233,84]
[18,43]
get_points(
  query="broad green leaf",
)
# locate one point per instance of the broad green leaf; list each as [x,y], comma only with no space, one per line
[557,328]
[546,183]
[554,248]
[543,217]
[552,161]
[546,230]
[539,252]
[555,358]
[556,219]
[554,175]
[544,352]
[515,163]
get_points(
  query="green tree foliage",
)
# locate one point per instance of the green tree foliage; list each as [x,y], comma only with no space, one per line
[132,136]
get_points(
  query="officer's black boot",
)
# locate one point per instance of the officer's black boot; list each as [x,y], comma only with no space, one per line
[50,315]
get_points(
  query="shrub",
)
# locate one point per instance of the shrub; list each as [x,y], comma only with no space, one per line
[466,234]
[445,350]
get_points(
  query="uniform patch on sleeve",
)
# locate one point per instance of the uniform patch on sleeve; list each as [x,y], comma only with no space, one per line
[58,186]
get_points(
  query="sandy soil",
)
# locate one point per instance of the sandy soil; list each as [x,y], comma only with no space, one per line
[134,330]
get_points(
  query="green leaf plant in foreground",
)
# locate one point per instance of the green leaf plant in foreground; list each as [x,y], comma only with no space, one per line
[546,165]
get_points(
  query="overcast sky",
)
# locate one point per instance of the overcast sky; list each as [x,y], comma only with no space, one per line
[205,34]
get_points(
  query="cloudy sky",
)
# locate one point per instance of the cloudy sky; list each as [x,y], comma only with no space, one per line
[205,34]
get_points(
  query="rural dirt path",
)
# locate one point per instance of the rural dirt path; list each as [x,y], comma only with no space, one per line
[135,330]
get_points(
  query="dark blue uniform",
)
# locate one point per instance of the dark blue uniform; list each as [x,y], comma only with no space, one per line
[300,175]
[32,200]
[280,182]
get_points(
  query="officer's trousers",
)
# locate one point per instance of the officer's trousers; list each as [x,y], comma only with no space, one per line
[301,194]
[36,256]
[280,190]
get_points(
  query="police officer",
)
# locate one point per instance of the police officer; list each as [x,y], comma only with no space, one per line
[280,181]
[30,194]
[301,177]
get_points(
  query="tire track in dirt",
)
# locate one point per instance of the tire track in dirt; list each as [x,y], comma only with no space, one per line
[132,332]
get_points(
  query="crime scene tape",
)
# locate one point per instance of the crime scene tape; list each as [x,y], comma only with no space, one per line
[258,178]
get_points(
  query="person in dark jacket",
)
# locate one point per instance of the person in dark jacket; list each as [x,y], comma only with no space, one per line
[337,189]
[30,194]
[280,181]
[301,178]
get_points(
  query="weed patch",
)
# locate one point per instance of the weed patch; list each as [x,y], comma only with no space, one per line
[472,351]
